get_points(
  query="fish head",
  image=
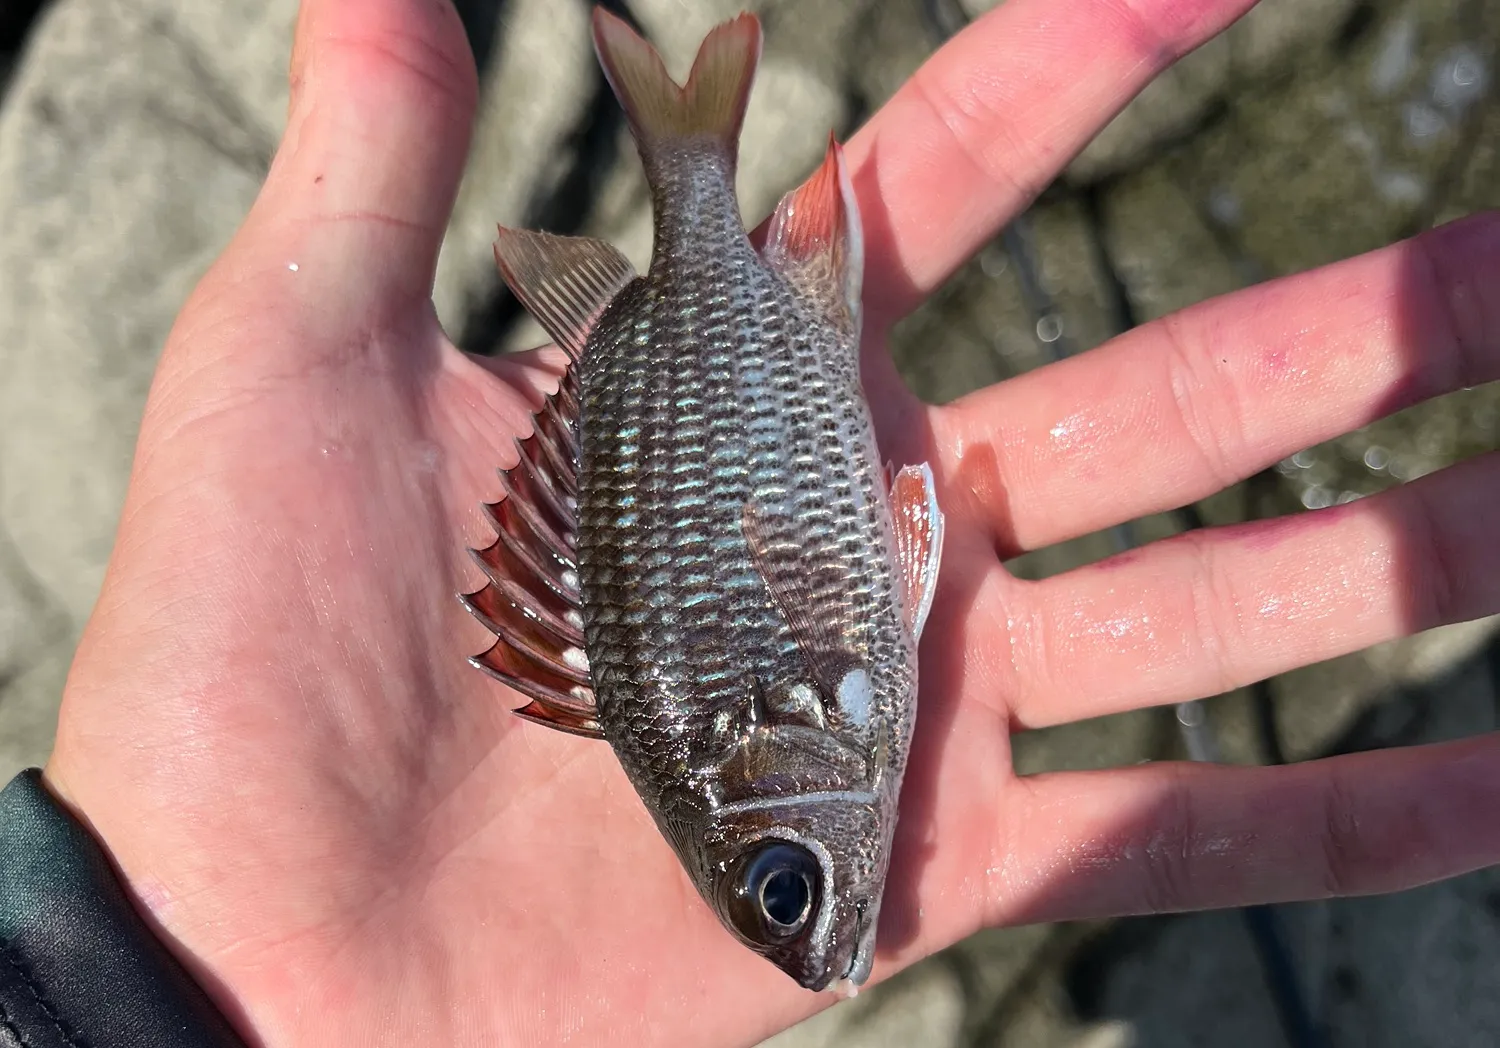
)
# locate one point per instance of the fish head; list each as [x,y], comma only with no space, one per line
[799,881]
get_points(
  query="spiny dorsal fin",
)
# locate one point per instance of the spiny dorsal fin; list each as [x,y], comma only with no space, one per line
[531,601]
[919,540]
[572,723]
[711,104]
[815,240]
[564,282]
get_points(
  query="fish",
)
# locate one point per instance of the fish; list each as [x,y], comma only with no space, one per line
[701,556]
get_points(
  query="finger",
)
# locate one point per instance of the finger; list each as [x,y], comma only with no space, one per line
[991,118]
[1162,838]
[383,96]
[1212,610]
[1185,406]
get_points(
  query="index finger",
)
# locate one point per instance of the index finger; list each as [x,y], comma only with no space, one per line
[982,127]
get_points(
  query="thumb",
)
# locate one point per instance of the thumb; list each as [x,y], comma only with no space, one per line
[362,186]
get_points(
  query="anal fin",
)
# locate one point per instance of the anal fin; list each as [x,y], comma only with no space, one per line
[816,242]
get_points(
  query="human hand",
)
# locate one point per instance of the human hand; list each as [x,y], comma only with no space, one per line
[337,824]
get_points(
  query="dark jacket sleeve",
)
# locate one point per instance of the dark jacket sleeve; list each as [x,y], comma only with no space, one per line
[79,968]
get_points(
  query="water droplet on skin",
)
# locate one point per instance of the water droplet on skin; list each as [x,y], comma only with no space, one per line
[1376,458]
[1073,430]
[292,266]
[1115,628]
[1049,328]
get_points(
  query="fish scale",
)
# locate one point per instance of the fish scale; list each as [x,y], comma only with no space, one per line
[705,329]
[747,578]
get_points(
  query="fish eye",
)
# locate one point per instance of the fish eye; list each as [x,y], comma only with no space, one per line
[773,891]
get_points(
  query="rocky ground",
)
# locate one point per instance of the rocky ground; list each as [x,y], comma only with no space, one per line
[133,135]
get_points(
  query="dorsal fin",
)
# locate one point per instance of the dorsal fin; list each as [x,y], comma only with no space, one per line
[564,282]
[712,102]
[919,539]
[531,602]
[815,240]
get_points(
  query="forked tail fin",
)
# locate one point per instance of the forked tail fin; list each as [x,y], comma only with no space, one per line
[712,102]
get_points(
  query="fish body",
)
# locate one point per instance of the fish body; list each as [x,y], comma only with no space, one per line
[749,578]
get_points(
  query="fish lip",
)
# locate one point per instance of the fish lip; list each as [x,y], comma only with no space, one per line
[857,971]
[860,908]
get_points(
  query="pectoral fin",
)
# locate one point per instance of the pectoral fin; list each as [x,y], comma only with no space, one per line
[919,540]
[810,596]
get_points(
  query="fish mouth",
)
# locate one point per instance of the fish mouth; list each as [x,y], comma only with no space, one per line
[846,982]
[859,945]
[862,958]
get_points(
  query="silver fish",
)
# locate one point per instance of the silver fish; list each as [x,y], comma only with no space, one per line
[701,556]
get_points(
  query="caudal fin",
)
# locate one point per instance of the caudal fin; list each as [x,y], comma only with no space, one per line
[712,102]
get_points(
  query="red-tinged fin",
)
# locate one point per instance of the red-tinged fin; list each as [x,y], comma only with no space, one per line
[919,540]
[520,671]
[531,602]
[711,104]
[564,282]
[572,723]
[816,241]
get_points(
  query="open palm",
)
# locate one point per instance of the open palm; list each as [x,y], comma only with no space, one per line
[345,834]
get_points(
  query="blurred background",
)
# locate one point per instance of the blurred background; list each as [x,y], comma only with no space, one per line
[133,137]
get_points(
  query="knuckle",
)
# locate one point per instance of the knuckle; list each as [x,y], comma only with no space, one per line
[981,133]
[1159,33]
[1167,855]
[1208,407]
[1343,851]
[1461,318]
[1036,654]
[1438,575]
[1214,601]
